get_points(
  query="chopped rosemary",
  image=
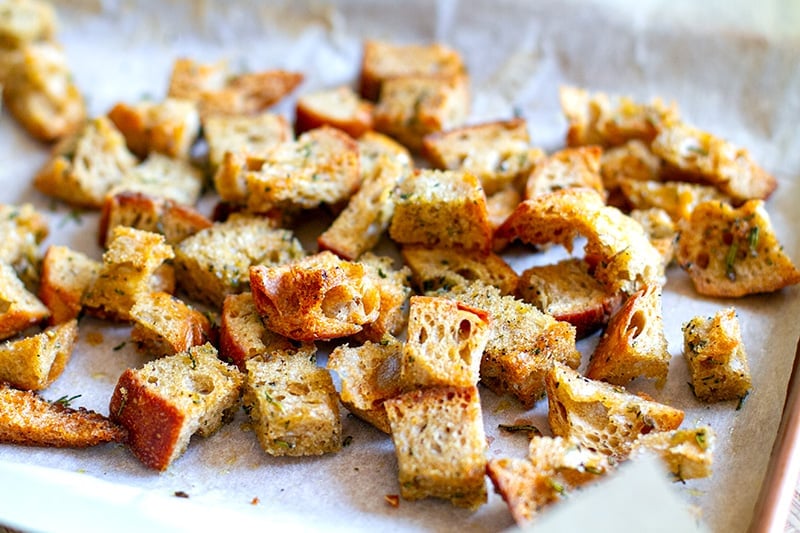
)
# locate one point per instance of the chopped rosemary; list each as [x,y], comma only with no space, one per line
[273,401]
[514,428]
[66,400]
[700,437]
[742,398]
[752,240]
[119,346]
[348,440]
[730,259]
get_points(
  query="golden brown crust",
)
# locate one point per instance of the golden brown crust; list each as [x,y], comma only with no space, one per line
[18,307]
[66,274]
[565,169]
[34,362]
[169,127]
[393,285]
[164,325]
[340,108]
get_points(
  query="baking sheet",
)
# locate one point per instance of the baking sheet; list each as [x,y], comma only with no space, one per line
[733,69]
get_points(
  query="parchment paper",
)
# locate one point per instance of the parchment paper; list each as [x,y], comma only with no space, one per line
[732,67]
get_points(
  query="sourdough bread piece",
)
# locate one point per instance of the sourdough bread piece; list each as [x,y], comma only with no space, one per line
[440,444]
[33,363]
[441,208]
[567,291]
[339,107]
[687,453]
[566,169]
[523,345]
[41,95]
[498,153]
[382,60]
[442,268]
[27,419]
[630,161]
[149,213]
[293,405]
[697,155]
[501,204]
[602,417]
[412,107]
[661,230]
[165,402]
[319,297]
[26,21]
[162,176]
[19,308]
[675,197]
[169,127]
[394,288]
[22,228]
[633,345]
[716,357]
[165,325]
[732,252]
[215,262]
[445,343]
[66,275]
[373,147]
[86,165]
[369,375]
[248,134]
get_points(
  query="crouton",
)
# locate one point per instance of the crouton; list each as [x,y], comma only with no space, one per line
[215,262]
[85,166]
[445,343]
[677,198]
[339,107]
[565,169]
[498,153]
[660,229]
[250,134]
[26,21]
[567,291]
[394,288]
[40,94]
[27,419]
[501,204]
[164,177]
[33,363]
[382,61]
[137,210]
[374,147]
[66,274]
[442,268]
[731,252]
[369,375]
[630,161]
[319,297]
[633,345]
[611,121]
[169,127]
[523,344]
[440,444]
[18,307]
[602,417]
[716,357]
[164,325]
[129,264]
[441,208]
[165,402]
[243,335]
[687,453]
[22,228]
[694,154]
[293,405]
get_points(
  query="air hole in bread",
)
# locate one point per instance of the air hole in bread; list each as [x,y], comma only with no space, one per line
[298,389]
[702,260]
[153,380]
[203,384]
[637,323]
[467,274]
[5,305]
[423,335]
[340,304]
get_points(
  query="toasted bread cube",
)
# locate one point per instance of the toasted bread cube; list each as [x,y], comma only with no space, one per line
[603,417]
[412,107]
[40,94]
[339,107]
[250,134]
[27,419]
[445,343]
[630,161]
[243,335]
[568,292]
[22,228]
[611,121]
[394,289]
[714,351]
[633,345]
[498,153]
[129,265]
[66,274]
[660,229]
[34,362]
[86,165]
[687,453]
[360,226]
[677,198]
[442,268]
[215,262]
[382,61]
[501,204]
[149,213]
[293,405]
[523,345]
[169,127]
[731,252]
[694,154]
[26,21]
[444,209]
[319,297]
[374,147]
[565,169]
[18,307]
[161,176]
[370,375]
[164,325]
[440,444]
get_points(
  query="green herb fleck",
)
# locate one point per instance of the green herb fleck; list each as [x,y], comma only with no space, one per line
[700,437]
[742,398]
[752,239]
[730,259]
[515,428]
[348,440]
[193,360]
[273,401]
[556,486]
[119,346]
[699,150]
[66,400]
